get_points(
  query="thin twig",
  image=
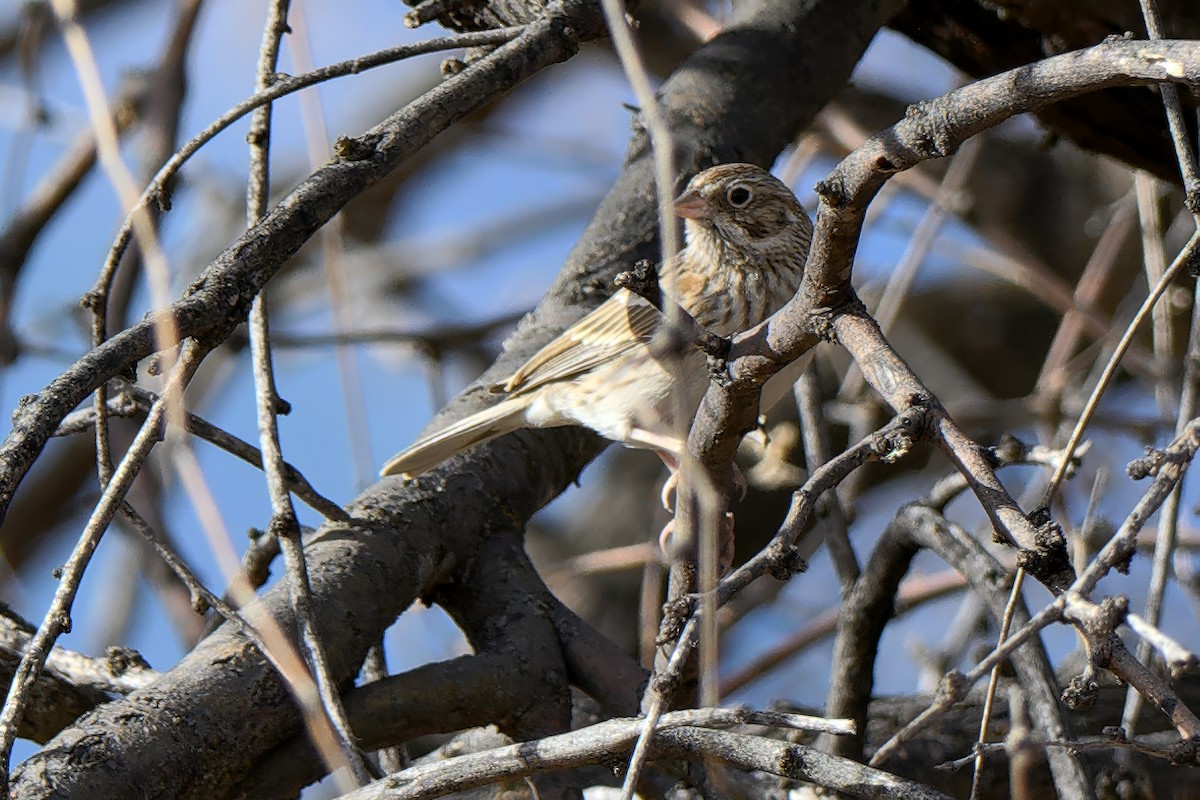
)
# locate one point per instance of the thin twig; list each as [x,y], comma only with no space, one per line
[1177,657]
[985,718]
[710,504]
[121,672]
[914,592]
[612,737]
[1164,546]
[1154,262]
[239,447]
[947,202]
[1170,462]
[1184,153]
[776,557]
[58,616]
[284,525]
[395,758]
[1082,316]
[816,452]
[1020,746]
[1094,744]
[1182,261]
[1166,540]
[57,619]
[331,239]
[156,190]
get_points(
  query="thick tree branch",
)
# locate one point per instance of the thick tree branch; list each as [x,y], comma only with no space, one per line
[1124,122]
[609,740]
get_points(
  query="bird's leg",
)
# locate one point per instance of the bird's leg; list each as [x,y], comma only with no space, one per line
[740,485]
[725,542]
[670,449]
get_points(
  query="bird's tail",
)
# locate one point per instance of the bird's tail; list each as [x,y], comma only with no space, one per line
[427,453]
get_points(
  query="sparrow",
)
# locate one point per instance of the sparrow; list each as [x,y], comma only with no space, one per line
[746,241]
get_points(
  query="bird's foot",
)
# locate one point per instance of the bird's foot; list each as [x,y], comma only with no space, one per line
[669,490]
[670,487]
[725,543]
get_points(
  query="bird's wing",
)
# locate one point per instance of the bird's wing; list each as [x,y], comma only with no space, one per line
[622,322]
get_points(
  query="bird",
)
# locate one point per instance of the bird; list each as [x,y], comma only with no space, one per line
[746,240]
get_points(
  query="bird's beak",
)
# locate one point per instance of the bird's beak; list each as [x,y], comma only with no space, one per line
[690,205]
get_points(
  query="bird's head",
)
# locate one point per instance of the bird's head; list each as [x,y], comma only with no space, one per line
[744,206]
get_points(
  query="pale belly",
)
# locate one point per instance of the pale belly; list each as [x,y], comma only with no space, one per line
[635,392]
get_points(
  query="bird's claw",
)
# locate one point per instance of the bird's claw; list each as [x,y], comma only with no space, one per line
[725,543]
[670,488]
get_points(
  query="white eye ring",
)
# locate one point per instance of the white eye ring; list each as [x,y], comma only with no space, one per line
[739,196]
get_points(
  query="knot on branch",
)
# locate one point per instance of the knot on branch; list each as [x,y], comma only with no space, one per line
[952,689]
[348,148]
[930,133]
[453,66]
[1102,624]
[92,301]
[474,15]
[642,280]
[22,407]
[1122,552]
[666,683]
[1186,751]
[1154,460]
[785,561]
[820,323]
[1192,202]
[893,442]
[200,603]
[283,525]
[892,445]
[1047,560]
[119,660]
[718,367]
[833,192]
[675,615]
[827,302]
[1009,450]
[1081,693]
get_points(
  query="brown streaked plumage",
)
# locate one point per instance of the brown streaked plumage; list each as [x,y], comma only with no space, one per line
[747,239]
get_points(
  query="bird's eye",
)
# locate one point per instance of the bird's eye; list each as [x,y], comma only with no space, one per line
[739,196]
